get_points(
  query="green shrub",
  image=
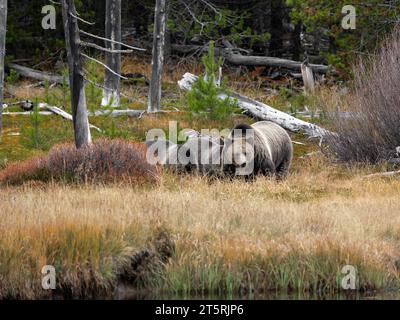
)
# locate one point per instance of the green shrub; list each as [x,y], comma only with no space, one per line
[204,99]
[31,137]
[113,131]
[36,136]
[12,78]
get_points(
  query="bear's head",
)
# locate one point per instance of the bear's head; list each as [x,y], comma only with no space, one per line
[238,152]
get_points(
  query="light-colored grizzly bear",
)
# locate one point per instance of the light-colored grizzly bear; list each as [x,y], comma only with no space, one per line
[202,155]
[262,148]
[197,154]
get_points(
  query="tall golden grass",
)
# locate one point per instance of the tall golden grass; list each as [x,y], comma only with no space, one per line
[229,237]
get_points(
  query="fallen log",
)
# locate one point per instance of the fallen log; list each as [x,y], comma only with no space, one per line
[62,113]
[264,112]
[55,110]
[382,174]
[38,75]
[27,113]
[118,113]
[232,56]
[242,60]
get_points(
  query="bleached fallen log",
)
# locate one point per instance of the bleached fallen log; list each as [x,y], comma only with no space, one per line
[264,112]
[382,174]
[62,113]
[66,115]
[118,113]
[35,74]
[27,113]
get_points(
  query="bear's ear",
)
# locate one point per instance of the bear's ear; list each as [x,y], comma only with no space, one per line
[242,126]
[241,130]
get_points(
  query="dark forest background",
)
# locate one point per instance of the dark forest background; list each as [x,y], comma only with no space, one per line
[287,29]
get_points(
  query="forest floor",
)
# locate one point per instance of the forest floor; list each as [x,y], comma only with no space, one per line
[191,235]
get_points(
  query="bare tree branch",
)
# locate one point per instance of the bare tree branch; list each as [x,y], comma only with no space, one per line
[95,46]
[82,20]
[104,65]
[109,40]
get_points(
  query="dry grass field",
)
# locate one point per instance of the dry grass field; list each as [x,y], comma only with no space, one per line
[191,235]
[188,235]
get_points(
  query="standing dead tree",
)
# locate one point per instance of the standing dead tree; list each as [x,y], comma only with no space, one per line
[3,30]
[160,22]
[76,76]
[111,95]
[308,78]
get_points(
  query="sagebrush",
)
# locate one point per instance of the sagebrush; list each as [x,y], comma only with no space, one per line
[369,131]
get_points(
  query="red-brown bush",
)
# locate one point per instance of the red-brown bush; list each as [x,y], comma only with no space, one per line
[28,170]
[104,161]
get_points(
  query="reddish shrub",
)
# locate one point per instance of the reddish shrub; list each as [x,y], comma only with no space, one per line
[19,172]
[104,161]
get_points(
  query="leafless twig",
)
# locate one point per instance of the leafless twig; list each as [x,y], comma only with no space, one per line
[109,40]
[82,20]
[104,65]
[95,46]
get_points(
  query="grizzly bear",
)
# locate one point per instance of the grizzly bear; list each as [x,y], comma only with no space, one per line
[261,148]
[201,154]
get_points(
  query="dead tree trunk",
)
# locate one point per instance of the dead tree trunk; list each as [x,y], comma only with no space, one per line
[308,79]
[3,29]
[76,75]
[111,93]
[158,56]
